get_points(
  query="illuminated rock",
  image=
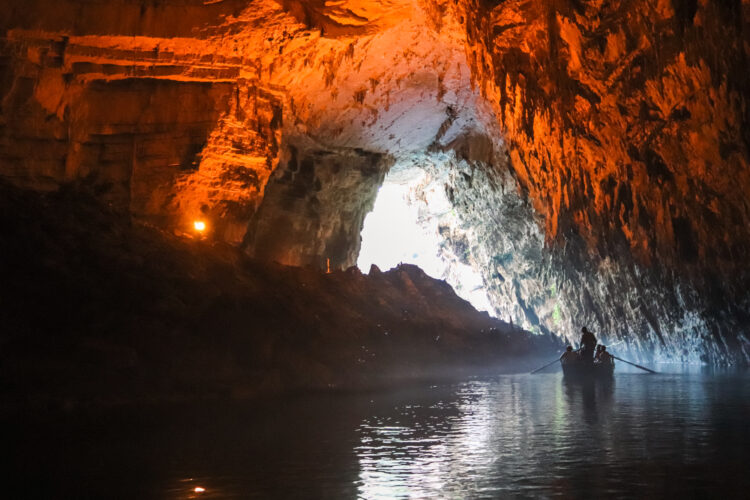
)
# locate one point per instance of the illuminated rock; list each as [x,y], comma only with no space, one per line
[596,153]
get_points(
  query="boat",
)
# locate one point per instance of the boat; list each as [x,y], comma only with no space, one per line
[582,370]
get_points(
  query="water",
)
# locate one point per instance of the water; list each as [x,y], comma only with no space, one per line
[680,435]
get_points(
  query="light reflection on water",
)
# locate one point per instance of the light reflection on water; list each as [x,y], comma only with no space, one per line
[679,435]
[542,436]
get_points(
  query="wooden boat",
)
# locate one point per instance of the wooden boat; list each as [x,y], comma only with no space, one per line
[582,370]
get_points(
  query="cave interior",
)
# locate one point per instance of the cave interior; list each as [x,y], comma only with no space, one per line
[559,164]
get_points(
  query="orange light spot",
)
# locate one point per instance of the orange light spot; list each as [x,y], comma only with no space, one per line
[198,489]
[199,226]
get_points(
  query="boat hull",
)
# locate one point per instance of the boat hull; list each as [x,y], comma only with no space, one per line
[588,371]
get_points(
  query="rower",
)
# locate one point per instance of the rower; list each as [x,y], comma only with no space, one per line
[604,356]
[588,344]
[598,352]
[568,356]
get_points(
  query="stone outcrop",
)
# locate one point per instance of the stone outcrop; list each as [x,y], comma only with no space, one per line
[320,198]
[100,310]
[596,153]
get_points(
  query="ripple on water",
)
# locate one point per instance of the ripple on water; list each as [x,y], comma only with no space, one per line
[542,436]
[678,435]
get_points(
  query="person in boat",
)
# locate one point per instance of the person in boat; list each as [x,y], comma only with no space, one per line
[604,357]
[598,352]
[588,344]
[568,356]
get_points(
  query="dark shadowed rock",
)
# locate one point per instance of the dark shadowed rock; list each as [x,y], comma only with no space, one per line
[97,309]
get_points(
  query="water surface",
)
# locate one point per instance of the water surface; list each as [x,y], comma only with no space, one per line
[681,435]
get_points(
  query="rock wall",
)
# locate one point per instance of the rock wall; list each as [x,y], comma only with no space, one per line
[136,315]
[596,152]
[132,99]
[626,120]
[627,127]
[320,199]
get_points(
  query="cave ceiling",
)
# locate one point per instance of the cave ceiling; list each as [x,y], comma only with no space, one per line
[597,152]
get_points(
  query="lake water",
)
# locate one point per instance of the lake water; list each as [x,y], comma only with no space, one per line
[681,435]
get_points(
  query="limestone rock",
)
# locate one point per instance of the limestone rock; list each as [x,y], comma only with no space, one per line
[596,153]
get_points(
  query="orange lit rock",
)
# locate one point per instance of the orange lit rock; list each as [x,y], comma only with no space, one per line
[622,128]
[629,104]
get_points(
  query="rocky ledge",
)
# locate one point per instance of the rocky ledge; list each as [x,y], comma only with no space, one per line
[100,309]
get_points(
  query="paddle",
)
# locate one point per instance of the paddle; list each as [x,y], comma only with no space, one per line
[549,364]
[545,366]
[637,366]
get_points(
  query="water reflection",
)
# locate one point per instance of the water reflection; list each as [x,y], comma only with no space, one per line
[593,397]
[671,435]
[531,436]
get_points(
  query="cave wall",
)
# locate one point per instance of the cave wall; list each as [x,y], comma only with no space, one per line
[134,100]
[596,152]
[626,120]
[314,207]
[626,125]
[225,183]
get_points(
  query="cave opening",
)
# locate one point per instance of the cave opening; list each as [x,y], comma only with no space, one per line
[410,223]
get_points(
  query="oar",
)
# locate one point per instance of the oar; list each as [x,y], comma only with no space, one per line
[545,366]
[549,364]
[637,366]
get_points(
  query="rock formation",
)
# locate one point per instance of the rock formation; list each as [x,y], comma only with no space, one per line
[596,153]
[98,310]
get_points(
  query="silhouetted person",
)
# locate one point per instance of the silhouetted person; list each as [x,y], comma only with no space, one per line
[598,352]
[588,344]
[604,356]
[568,356]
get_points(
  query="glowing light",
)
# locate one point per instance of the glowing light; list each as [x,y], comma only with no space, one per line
[403,227]
[199,226]
[198,489]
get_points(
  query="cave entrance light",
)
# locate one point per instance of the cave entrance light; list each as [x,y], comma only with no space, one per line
[404,227]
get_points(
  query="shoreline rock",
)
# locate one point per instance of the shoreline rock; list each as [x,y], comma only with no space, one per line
[100,308]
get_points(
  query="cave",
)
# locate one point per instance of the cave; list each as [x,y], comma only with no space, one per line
[357,192]
[413,221]
[598,176]
[587,191]
[584,170]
